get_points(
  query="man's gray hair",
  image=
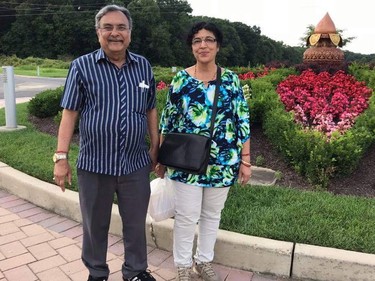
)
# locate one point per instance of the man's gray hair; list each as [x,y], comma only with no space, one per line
[113,8]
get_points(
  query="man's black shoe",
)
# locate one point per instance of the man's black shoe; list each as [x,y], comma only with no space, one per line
[91,278]
[143,276]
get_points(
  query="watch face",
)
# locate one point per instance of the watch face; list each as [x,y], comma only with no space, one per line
[56,157]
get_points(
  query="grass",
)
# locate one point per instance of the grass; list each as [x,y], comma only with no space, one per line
[32,70]
[316,218]
[43,71]
[29,150]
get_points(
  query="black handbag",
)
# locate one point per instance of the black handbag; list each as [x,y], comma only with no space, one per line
[189,152]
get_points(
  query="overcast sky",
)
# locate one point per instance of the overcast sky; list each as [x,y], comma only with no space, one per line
[287,20]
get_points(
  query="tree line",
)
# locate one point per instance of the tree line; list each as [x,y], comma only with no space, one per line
[58,29]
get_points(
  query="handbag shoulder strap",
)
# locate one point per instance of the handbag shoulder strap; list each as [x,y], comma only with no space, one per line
[214,105]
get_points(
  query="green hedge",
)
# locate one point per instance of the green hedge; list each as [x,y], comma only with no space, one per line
[46,103]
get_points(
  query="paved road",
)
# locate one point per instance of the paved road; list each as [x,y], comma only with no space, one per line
[28,87]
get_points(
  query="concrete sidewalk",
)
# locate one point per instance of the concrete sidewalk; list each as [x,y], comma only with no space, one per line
[18,100]
[36,244]
[40,235]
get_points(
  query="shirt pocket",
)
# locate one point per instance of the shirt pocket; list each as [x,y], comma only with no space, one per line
[138,99]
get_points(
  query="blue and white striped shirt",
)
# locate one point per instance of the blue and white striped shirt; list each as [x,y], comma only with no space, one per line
[113,104]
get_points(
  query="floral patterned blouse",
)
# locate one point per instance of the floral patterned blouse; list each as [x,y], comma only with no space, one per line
[188,110]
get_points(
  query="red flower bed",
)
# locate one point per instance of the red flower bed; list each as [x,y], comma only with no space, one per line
[324,102]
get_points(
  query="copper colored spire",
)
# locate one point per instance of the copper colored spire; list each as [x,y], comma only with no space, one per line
[325,25]
[322,44]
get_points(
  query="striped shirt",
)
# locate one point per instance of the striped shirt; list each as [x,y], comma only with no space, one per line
[113,104]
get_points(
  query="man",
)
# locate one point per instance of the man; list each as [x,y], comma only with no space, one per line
[113,92]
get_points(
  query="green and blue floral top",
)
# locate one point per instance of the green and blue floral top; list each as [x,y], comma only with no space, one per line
[188,110]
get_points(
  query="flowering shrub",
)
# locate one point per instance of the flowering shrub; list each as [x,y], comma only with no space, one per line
[324,102]
[247,75]
[161,85]
[252,75]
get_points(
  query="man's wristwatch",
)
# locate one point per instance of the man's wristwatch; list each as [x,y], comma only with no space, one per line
[59,156]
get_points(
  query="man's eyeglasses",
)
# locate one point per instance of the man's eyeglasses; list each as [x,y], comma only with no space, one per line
[208,40]
[110,28]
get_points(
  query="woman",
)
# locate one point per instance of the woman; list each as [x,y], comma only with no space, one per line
[201,198]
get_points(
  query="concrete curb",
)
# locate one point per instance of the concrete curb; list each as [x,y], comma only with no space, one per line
[262,176]
[321,263]
[232,249]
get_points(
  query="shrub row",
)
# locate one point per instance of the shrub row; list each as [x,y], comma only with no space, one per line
[31,61]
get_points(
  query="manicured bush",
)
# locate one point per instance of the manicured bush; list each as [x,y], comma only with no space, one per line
[46,103]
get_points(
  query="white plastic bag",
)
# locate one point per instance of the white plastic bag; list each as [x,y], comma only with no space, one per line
[161,205]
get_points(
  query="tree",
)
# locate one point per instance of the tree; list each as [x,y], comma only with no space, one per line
[75,31]
[231,52]
[49,30]
[7,17]
[265,52]
[52,29]
[249,37]
[175,14]
[21,32]
[146,16]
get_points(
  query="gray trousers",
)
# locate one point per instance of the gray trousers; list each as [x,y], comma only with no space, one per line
[96,195]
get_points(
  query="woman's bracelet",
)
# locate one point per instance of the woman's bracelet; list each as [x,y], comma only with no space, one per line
[246,164]
[246,154]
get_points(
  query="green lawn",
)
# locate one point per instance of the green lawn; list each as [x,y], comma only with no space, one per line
[41,71]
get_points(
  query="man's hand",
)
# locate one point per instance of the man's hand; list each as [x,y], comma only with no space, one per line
[62,172]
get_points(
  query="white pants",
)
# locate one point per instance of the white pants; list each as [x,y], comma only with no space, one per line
[194,205]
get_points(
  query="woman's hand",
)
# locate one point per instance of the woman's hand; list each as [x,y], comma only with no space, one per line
[244,174]
[245,169]
[160,170]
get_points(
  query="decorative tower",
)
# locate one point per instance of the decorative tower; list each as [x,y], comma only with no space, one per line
[323,43]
